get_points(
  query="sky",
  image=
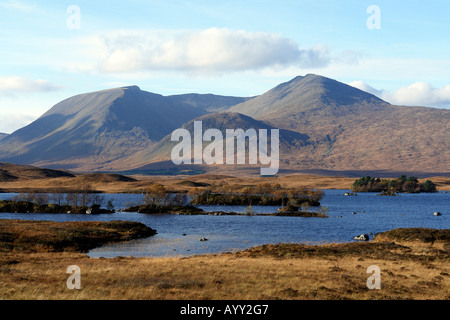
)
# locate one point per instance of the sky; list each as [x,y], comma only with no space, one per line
[52,50]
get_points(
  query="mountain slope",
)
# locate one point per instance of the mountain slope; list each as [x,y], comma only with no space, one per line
[161,153]
[208,102]
[223,121]
[354,130]
[311,93]
[325,126]
[88,131]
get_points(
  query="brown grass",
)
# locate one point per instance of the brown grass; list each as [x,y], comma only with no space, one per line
[113,184]
[80,236]
[219,277]
[410,270]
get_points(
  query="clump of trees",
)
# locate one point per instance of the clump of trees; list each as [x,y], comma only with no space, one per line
[160,200]
[261,194]
[82,200]
[391,186]
[158,196]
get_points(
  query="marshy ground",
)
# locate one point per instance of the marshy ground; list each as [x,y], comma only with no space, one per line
[414,265]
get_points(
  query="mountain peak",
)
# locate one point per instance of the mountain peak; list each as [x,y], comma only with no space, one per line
[323,123]
[309,77]
[93,129]
[308,94]
[132,88]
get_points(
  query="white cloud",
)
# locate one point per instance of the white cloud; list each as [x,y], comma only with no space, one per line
[348,57]
[10,86]
[422,93]
[144,53]
[17,5]
[416,94]
[11,122]
[361,85]
[209,51]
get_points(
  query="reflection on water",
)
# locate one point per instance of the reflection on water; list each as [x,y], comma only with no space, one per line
[167,245]
[180,235]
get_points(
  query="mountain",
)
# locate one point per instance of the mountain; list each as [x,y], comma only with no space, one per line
[352,130]
[313,103]
[3,135]
[91,131]
[325,126]
[313,94]
[222,121]
[343,130]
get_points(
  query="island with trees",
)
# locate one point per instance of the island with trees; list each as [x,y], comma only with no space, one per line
[84,200]
[292,202]
[402,184]
[302,202]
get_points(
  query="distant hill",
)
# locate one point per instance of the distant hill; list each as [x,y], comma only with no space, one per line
[102,177]
[3,135]
[90,131]
[12,172]
[222,121]
[23,173]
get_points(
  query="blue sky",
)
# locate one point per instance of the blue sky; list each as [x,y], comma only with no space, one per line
[50,52]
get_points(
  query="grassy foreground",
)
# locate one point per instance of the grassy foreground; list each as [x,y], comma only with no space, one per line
[414,264]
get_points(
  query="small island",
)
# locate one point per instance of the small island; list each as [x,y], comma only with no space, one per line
[264,194]
[15,206]
[389,187]
[300,202]
[78,202]
[192,211]
[293,203]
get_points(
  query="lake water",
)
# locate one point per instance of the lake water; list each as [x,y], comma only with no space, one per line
[233,233]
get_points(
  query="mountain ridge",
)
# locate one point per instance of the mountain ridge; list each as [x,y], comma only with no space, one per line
[223,121]
[88,130]
[343,129]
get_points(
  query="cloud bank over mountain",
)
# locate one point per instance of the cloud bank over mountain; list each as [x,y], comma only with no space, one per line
[11,122]
[208,51]
[417,94]
[12,85]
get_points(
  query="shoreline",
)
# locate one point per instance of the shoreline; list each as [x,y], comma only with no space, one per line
[83,236]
